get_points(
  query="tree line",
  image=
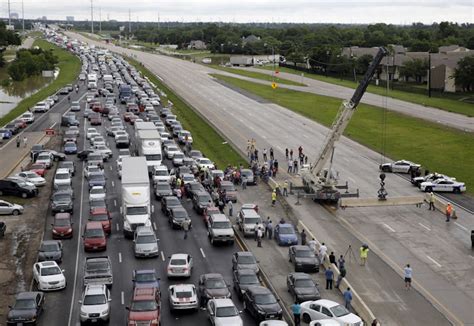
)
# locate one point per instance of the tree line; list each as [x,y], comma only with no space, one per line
[30,62]
[7,38]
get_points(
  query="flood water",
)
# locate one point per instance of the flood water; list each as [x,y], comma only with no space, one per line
[12,94]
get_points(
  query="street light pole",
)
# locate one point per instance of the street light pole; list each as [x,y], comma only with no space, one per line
[429,74]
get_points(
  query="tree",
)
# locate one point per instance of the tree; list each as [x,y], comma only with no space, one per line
[363,62]
[464,73]
[416,69]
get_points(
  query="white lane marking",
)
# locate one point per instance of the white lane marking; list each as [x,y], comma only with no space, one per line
[162,256]
[461,226]
[351,179]
[424,226]
[202,253]
[76,270]
[388,227]
[113,183]
[279,148]
[434,261]
[154,226]
[52,126]
[120,257]
[115,203]
[122,298]
[110,167]
[152,208]
[118,227]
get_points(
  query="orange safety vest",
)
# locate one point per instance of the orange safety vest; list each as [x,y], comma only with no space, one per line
[449,209]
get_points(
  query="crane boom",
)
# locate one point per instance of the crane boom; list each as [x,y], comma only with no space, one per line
[315,178]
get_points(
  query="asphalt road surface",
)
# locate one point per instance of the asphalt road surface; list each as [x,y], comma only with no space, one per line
[241,118]
[62,308]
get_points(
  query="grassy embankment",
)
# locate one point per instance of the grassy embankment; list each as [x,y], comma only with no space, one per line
[257,75]
[436,147]
[444,101]
[69,66]
[205,138]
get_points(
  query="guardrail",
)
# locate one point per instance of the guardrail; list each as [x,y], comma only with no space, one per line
[357,303]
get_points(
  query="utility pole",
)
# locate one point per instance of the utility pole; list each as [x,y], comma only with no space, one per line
[23,16]
[9,15]
[100,20]
[129,23]
[429,73]
[92,17]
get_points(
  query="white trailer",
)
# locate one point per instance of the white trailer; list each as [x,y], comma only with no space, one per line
[149,146]
[136,208]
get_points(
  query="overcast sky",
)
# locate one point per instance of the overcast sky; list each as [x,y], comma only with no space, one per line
[301,11]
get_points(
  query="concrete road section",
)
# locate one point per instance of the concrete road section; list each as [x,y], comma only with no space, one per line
[241,118]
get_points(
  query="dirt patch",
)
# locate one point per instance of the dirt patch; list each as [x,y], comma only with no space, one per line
[19,247]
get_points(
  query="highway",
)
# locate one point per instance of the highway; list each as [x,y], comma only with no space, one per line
[62,308]
[241,118]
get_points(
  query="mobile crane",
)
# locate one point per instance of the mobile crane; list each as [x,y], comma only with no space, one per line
[321,182]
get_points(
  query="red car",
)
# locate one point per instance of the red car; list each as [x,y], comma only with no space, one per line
[96,120]
[132,119]
[20,123]
[39,169]
[94,237]
[62,226]
[101,215]
[126,116]
[96,107]
[145,307]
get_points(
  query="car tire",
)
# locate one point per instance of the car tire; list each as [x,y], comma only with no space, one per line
[16,212]
[306,318]
[1,193]
[385,169]
[244,305]
[24,195]
[457,190]
[212,241]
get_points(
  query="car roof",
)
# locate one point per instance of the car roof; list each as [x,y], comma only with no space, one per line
[50,242]
[286,225]
[219,218]
[211,275]
[326,303]
[301,247]
[145,271]
[245,271]
[257,289]
[94,289]
[179,256]
[144,293]
[47,264]
[93,225]
[144,230]
[300,276]
[182,287]
[244,253]
[223,302]
[250,212]
[62,170]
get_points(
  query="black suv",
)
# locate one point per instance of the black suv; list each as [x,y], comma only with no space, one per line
[169,202]
[27,309]
[201,200]
[260,302]
[17,188]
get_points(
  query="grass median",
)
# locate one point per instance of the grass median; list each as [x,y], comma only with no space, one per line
[205,138]
[257,75]
[69,66]
[448,102]
[436,147]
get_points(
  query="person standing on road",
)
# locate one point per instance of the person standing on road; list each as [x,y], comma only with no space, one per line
[312,244]
[270,230]
[449,211]
[348,298]
[18,141]
[274,197]
[432,199]
[295,166]
[342,274]
[255,230]
[363,252]
[271,153]
[332,258]
[290,166]
[256,154]
[265,224]
[291,154]
[244,183]
[303,238]
[186,227]
[329,278]
[408,276]
[341,262]
[285,188]
[264,153]
[259,237]
[231,208]
[296,309]
[286,153]
[25,141]
[322,252]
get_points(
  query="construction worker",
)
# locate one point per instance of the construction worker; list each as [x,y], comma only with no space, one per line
[274,197]
[363,251]
[449,211]
[432,199]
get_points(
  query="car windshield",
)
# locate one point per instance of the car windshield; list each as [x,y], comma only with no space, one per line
[178,156]
[304,284]
[146,239]
[226,311]
[140,210]
[161,173]
[94,233]
[184,294]
[339,311]
[143,305]
[61,197]
[178,262]
[215,283]
[228,187]
[173,201]
[49,247]
[62,176]
[252,220]
[97,266]
[94,299]
[145,277]
[247,260]
[97,203]
[43,158]
[221,225]
[25,304]
[163,187]
[265,299]
[50,271]
[62,222]
[96,177]
[304,253]
[97,191]
[249,279]
[204,198]
[93,169]
[204,161]
[99,217]
[286,230]
[156,157]
[72,145]
[180,213]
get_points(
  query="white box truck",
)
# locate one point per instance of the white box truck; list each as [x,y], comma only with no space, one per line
[149,146]
[141,125]
[241,61]
[136,208]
